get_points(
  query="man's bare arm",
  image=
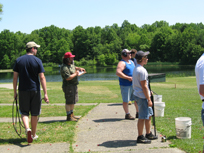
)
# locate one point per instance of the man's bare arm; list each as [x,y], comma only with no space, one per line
[43,84]
[119,71]
[201,90]
[72,76]
[146,91]
[15,81]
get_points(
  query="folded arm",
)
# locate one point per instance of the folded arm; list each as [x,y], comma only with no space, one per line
[119,71]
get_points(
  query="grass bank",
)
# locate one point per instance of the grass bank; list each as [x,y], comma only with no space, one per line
[49,132]
[179,94]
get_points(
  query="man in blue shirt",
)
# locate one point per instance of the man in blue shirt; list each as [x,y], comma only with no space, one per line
[29,69]
[124,72]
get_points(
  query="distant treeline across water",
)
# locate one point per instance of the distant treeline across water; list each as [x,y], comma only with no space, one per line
[183,43]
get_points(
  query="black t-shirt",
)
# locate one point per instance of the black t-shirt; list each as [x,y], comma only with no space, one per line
[28,68]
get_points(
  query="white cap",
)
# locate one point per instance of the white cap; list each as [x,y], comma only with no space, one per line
[32,44]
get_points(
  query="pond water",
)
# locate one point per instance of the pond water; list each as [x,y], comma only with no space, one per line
[108,73]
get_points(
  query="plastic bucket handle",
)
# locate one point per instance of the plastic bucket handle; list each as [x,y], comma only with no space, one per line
[188,125]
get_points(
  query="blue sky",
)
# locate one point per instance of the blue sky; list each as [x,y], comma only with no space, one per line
[29,15]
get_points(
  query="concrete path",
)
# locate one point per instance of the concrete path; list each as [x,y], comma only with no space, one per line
[7,85]
[36,148]
[103,129]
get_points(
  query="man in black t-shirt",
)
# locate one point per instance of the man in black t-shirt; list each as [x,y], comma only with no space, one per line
[29,69]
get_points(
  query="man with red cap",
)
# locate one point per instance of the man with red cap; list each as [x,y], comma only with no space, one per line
[69,73]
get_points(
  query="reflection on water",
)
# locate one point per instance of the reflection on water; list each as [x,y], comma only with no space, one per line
[92,74]
[6,77]
[107,73]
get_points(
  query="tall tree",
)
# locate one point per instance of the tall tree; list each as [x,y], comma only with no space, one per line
[189,49]
[158,46]
[132,40]
[79,39]
[8,47]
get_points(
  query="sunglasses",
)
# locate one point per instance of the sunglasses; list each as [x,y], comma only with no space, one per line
[35,47]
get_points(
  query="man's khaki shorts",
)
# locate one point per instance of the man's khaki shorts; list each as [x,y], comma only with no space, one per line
[71,94]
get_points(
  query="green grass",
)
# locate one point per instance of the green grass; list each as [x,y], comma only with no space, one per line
[91,91]
[6,95]
[182,100]
[48,132]
[179,94]
[48,110]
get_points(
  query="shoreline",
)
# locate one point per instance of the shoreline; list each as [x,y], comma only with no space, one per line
[7,70]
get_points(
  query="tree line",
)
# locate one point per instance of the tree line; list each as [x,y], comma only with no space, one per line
[1,6]
[183,43]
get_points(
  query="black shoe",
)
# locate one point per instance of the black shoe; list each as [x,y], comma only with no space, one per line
[151,136]
[137,115]
[142,139]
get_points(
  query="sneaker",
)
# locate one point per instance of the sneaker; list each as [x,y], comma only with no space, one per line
[137,114]
[129,117]
[142,139]
[35,137]
[29,137]
[151,136]
[129,103]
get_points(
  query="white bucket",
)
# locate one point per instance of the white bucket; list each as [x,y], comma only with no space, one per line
[157,98]
[159,109]
[183,127]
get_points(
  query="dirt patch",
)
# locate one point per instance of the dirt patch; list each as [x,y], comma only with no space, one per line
[100,90]
[8,86]
[171,85]
[95,90]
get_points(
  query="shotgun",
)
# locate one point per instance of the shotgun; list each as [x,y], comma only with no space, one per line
[153,116]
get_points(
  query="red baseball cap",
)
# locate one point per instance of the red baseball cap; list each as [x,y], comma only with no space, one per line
[68,55]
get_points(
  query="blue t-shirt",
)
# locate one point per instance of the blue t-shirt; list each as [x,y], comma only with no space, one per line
[129,67]
[28,68]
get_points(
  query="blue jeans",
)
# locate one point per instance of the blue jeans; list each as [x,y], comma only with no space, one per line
[144,110]
[127,93]
[202,115]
